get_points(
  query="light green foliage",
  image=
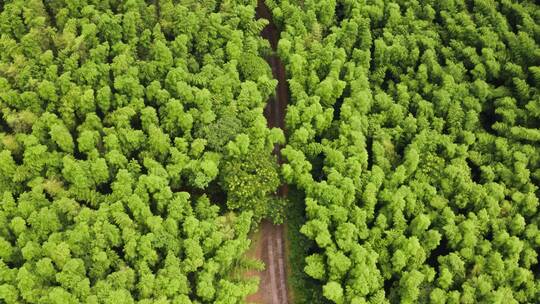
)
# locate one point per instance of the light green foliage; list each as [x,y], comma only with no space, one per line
[412,137]
[315,266]
[129,131]
[116,181]
[333,291]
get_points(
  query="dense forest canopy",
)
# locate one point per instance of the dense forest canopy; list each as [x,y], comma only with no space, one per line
[135,158]
[414,136]
[129,132]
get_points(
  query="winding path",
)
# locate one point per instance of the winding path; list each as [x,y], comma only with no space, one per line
[271,246]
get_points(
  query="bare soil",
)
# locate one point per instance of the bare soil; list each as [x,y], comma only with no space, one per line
[269,244]
[270,249]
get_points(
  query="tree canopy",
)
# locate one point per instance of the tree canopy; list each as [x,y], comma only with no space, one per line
[133,149]
[412,137]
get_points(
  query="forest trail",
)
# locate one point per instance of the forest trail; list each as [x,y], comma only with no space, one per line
[270,245]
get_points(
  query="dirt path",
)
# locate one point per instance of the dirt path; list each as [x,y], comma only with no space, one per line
[270,245]
[270,248]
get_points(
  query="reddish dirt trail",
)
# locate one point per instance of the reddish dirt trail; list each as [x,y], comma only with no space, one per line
[270,246]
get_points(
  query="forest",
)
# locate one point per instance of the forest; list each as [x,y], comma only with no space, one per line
[138,158]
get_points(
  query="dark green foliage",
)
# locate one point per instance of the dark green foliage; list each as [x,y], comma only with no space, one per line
[306,290]
[220,132]
[249,180]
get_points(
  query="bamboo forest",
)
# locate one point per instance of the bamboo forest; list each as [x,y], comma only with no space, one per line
[270,151]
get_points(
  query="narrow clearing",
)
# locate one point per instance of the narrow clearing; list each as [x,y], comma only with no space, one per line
[270,245]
